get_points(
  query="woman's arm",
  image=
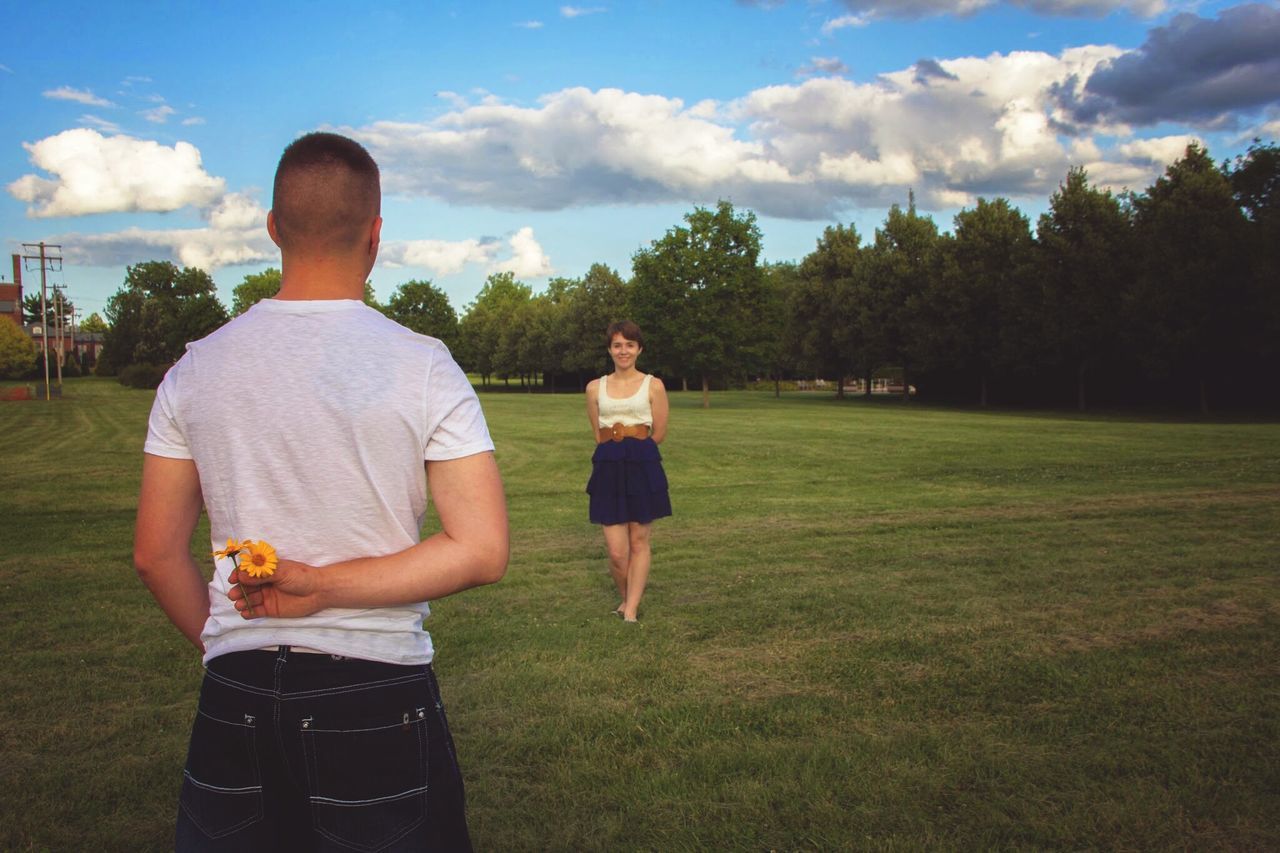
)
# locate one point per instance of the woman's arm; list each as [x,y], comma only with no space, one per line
[658,406]
[593,406]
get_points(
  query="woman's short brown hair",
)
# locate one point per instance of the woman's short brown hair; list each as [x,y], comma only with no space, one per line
[627,329]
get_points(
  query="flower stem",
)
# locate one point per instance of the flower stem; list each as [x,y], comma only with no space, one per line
[235,564]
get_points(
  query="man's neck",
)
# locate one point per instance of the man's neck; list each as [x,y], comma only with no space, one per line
[321,278]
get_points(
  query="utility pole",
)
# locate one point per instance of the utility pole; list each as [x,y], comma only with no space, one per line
[58,303]
[48,263]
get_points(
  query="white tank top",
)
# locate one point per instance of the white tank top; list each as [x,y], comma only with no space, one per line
[629,411]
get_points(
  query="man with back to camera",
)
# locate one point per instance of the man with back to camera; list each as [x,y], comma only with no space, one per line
[315,424]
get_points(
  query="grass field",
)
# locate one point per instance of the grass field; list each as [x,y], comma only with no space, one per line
[869,626]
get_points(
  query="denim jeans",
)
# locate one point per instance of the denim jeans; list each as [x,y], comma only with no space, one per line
[300,751]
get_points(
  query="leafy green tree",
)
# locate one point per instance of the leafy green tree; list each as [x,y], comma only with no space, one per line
[371,298]
[157,312]
[54,305]
[900,265]
[774,338]
[1194,290]
[94,324]
[17,352]
[528,340]
[1084,251]
[1255,178]
[591,303]
[253,289]
[973,309]
[698,293]
[482,347]
[424,308]
[824,328]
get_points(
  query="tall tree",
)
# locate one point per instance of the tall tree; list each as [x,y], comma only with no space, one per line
[1255,178]
[698,293]
[901,263]
[482,347]
[591,304]
[94,323]
[157,312]
[1194,285]
[824,328]
[973,311]
[424,308]
[253,289]
[56,306]
[1084,266]
[774,338]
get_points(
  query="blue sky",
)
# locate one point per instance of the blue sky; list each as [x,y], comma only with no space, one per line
[541,138]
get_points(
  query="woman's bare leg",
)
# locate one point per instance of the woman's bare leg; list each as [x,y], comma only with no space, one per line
[616,538]
[637,569]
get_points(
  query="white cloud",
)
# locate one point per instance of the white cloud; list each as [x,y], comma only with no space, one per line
[158,115]
[526,258]
[192,120]
[576,147]
[949,129]
[111,174]
[99,123]
[80,96]
[207,248]
[842,22]
[441,257]
[822,65]
[867,9]
[237,212]
[235,233]
[1158,152]
[579,11]
[6,69]
[530,25]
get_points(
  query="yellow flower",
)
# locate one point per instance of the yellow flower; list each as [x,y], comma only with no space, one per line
[233,548]
[259,560]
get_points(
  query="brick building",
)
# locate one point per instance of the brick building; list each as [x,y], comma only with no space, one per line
[11,293]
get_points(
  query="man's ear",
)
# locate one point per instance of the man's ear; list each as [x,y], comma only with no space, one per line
[271,227]
[375,238]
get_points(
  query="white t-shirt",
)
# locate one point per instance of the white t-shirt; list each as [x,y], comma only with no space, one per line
[309,423]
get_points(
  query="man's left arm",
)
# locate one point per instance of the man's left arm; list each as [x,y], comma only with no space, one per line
[471,549]
[168,510]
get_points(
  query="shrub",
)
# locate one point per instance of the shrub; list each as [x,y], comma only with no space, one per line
[143,375]
[71,369]
[17,354]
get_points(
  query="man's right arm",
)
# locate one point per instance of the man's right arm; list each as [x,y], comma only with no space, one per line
[168,509]
[471,549]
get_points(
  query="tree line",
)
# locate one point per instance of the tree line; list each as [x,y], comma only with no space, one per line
[1168,296]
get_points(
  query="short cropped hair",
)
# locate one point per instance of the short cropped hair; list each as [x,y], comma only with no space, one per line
[327,192]
[627,329]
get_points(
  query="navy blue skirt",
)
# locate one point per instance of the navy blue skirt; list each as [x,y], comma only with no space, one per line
[627,482]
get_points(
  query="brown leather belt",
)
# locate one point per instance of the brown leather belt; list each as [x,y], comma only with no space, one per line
[617,432]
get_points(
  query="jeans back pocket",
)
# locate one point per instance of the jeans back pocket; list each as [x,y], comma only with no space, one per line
[221,786]
[368,781]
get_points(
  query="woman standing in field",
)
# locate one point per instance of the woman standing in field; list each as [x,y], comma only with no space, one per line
[628,488]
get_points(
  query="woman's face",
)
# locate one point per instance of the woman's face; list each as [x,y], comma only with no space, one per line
[623,352]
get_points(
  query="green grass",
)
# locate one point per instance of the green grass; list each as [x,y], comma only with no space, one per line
[869,626]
